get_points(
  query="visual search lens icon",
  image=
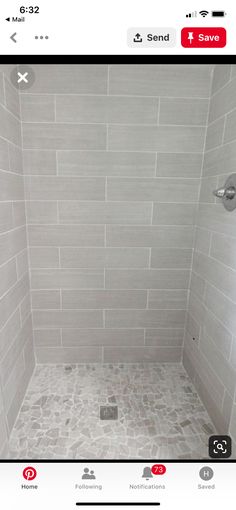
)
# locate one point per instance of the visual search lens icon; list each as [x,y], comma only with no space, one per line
[220,447]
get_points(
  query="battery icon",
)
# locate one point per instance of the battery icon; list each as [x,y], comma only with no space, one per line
[218,14]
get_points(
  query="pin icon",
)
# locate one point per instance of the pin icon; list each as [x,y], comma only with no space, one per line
[29,473]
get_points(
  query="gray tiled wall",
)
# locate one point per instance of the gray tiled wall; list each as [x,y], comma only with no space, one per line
[210,344]
[16,339]
[112,162]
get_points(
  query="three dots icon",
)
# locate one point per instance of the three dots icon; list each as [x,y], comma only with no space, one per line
[41,37]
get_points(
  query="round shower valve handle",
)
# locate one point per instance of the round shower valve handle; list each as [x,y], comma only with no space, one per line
[228,193]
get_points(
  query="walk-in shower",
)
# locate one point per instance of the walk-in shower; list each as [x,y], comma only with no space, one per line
[118,261]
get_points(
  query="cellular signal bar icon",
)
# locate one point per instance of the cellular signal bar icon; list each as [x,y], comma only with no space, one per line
[191,14]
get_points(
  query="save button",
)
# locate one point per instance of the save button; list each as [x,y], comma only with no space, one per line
[194,37]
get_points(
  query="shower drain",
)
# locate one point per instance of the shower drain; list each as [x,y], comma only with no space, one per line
[108,412]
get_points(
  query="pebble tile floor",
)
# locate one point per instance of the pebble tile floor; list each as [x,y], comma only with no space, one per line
[159,414]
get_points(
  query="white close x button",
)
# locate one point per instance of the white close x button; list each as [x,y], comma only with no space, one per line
[22,77]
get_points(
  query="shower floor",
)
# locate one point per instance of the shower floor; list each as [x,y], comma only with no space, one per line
[159,413]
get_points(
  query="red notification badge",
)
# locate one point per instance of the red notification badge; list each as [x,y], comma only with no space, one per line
[158,469]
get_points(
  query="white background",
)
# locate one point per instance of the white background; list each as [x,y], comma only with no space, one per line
[57,481]
[100,26]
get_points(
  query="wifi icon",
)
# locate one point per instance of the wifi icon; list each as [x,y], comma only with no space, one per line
[203,13]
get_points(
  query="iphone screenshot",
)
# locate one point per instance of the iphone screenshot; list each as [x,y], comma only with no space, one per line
[117,255]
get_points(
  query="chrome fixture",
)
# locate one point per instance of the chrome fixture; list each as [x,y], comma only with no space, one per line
[228,193]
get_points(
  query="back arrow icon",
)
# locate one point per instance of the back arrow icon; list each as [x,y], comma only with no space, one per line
[12,37]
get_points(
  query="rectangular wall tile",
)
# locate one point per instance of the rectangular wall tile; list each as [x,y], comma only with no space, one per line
[174,214]
[108,337]
[159,189]
[223,248]
[37,108]
[69,355]
[171,258]
[64,188]
[171,237]
[47,337]
[165,80]
[66,235]
[142,354]
[221,306]
[216,273]
[100,299]
[214,217]
[63,136]
[104,257]
[223,101]
[38,162]
[179,165]
[160,138]
[183,111]
[219,158]
[44,257]
[67,319]
[164,337]
[145,318]
[105,212]
[66,279]
[221,76]
[230,127]
[45,299]
[103,163]
[41,212]
[215,133]
[221,337]
[146,279]
[220,366]
[106,109]
[167,299]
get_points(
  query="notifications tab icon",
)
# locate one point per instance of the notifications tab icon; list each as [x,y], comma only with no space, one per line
[198,37]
